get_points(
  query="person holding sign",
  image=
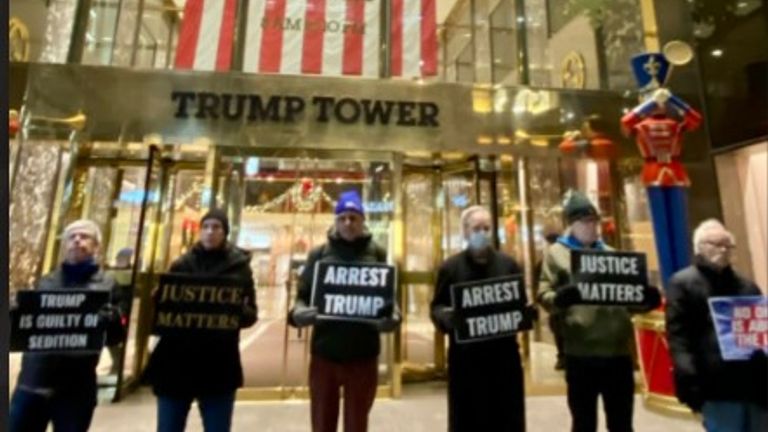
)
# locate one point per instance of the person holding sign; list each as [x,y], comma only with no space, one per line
[344,352]
[597,338]
[201,365]
[485,376]
[732,395]
[60,387]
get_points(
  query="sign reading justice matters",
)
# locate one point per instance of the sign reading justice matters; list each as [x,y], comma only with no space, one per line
[194,303]
[612,278]
[58,320]
[353,291]
[489,308]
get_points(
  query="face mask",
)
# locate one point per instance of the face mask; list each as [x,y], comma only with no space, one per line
[478,240]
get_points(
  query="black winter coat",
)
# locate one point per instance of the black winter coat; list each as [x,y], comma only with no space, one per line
[202,365]
[485,379]
[333,340]
[700,372]
[69,373]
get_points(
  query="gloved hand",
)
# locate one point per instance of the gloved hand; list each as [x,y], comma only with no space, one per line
[567,296]
[445,317]
[652,298]
[759,360]
[388,324]
[109,315]
[304,315]
[249,317]
[530,316]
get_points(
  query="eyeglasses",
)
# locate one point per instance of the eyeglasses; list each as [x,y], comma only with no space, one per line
[726,246]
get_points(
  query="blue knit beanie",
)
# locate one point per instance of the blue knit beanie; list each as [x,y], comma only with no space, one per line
[349,201]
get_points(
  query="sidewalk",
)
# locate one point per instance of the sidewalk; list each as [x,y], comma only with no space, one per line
[421,409]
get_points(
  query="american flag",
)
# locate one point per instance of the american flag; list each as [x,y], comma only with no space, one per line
[206,35]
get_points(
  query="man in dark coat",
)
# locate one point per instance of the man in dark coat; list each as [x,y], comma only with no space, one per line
[731,395]
[186,367]
[344,354]
[61,387]
[485,378]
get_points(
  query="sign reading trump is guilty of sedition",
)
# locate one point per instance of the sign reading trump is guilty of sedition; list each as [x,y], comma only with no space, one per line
[741,324]
[489,308]
[353,291]
[610,278]
[196,303]
[56,321]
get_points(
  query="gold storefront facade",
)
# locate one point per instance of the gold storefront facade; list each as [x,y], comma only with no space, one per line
[145,153]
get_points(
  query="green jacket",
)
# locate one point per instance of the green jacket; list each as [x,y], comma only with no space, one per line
[600,331]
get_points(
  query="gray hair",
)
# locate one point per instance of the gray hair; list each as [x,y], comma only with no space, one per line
[467,213]
[705,227]
[86,225]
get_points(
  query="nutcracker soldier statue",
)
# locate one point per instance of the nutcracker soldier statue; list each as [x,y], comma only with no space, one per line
[658,125]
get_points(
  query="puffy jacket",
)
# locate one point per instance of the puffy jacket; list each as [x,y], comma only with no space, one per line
[69,373]
[699,370]
[203,364]
[588,330]
[341,341]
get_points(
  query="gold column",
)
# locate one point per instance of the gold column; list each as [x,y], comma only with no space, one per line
[650,27]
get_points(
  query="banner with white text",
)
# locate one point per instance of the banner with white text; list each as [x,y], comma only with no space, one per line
[610,278]
[361,292]
[741,324]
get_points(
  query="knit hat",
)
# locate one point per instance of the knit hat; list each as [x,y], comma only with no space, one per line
[349,201]
[219,215]
[85,225]
[577,206]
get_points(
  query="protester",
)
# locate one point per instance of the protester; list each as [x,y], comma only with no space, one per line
[555,320]
[60,388]
[203,367]
[732,395]
[597,340]
[344,354]
[121,271]
[485,378]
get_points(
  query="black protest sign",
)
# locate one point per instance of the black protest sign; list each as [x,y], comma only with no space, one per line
[610,278]
[58,321]
[187,303]
[345,291]
[489,308]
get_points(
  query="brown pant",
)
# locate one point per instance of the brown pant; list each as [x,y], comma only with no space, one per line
[358,378]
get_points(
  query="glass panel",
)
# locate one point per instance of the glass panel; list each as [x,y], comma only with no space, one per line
[99,38]
[287,210]
[504,43]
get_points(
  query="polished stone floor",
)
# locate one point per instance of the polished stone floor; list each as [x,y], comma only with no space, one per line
[422,408]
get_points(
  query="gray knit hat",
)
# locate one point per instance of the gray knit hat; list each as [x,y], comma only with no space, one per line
[576,206]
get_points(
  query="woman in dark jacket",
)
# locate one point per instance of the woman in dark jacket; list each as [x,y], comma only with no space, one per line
[200,366]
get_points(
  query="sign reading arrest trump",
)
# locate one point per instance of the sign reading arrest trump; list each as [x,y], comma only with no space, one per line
[353,291]
[610,278]
[489,308]
[194,303]
[58,320]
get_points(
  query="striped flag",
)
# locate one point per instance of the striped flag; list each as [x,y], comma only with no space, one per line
[326,37]
[413,38]
[206,35]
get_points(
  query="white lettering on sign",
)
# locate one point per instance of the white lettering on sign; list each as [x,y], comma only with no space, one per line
[494,324]
[356,276]
[57,321]
[352,305]
[39,342]
[486,294]
[611,292]
[610,264]
[61,300]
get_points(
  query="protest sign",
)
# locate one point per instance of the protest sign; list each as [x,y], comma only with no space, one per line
[362,292]
[198,303]
[610,278]
[741,324]
[489,308]
[58,321]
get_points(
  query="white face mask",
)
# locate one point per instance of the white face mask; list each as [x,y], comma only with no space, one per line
[478,240]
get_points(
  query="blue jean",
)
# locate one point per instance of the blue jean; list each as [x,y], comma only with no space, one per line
[216,412]
[31,412]
[724,416]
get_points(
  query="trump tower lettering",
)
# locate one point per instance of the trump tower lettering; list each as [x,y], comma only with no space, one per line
[47,321]
[489,308]
[353,292]
[610,278]
[741,324]
[194,303]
